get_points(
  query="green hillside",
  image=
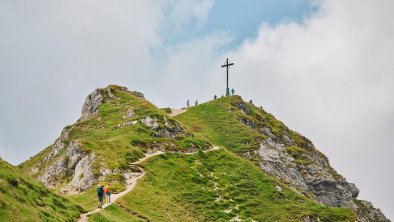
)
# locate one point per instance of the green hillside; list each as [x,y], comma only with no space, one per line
[214,186]
[23,199]
[184,184]
[220,121]
[116,139]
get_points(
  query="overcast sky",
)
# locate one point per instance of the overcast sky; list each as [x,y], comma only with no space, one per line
[325,68]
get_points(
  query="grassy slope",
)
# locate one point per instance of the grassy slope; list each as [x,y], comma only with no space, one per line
[23,199]
[116,147]
[182,188]
[215,122]
[219,122]
[119,146]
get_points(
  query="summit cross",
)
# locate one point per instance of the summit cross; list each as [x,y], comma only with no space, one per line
[227,65]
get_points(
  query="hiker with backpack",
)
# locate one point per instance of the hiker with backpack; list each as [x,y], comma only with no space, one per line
[100,195]
[108,193]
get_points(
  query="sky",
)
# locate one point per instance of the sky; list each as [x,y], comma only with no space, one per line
[323,67]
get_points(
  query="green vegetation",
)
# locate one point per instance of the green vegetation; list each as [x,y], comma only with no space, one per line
[119,139]
[22,199]
[88,199]
[121,144]
[238,126]
[215,121]
[214,186]
[222,122]
[166,110]
[299,154]
[114,213]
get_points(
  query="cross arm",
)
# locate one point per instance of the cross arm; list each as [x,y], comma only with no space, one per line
[230,64]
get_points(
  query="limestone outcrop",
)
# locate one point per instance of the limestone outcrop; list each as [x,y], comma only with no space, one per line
[303,167]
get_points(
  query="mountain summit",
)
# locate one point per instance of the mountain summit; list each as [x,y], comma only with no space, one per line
[224,160]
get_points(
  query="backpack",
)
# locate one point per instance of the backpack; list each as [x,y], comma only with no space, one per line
[108,189]
[100,191]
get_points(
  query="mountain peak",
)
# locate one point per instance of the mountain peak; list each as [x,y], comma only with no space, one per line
[96,98]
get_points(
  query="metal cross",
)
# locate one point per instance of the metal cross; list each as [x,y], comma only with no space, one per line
[227,65]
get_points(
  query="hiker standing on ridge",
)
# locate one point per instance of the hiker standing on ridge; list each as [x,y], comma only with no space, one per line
[196,103]
[188,103]
[108,193]
[215,97]
[232,91]
[100,195]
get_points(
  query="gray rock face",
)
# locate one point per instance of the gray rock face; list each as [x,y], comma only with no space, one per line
[92,104]
[83,177]
[58,145]
[317,178]
[244,108]
[167,131]
[130,113]
[73,154]
[52,175]
[56,148]
[266,131]
[138,94]
[306,169]
[119,126]
[150,122]
[367,212]
[276,162]
[72,163]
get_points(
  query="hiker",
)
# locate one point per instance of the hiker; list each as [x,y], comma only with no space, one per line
[251,102]
[196,102]
[188,103]
[108,193]
[215,97]
[232,91]
[100,195]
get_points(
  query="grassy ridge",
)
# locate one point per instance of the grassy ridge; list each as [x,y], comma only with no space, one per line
[215,121]
[215,186]
[223,122]
[22,199]
[120,146]
[116,142]
[220,121]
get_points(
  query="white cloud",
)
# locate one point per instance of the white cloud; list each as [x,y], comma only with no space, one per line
[331,78]
[52,54]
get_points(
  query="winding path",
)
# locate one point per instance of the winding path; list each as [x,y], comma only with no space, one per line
[175,112]
[131,181]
